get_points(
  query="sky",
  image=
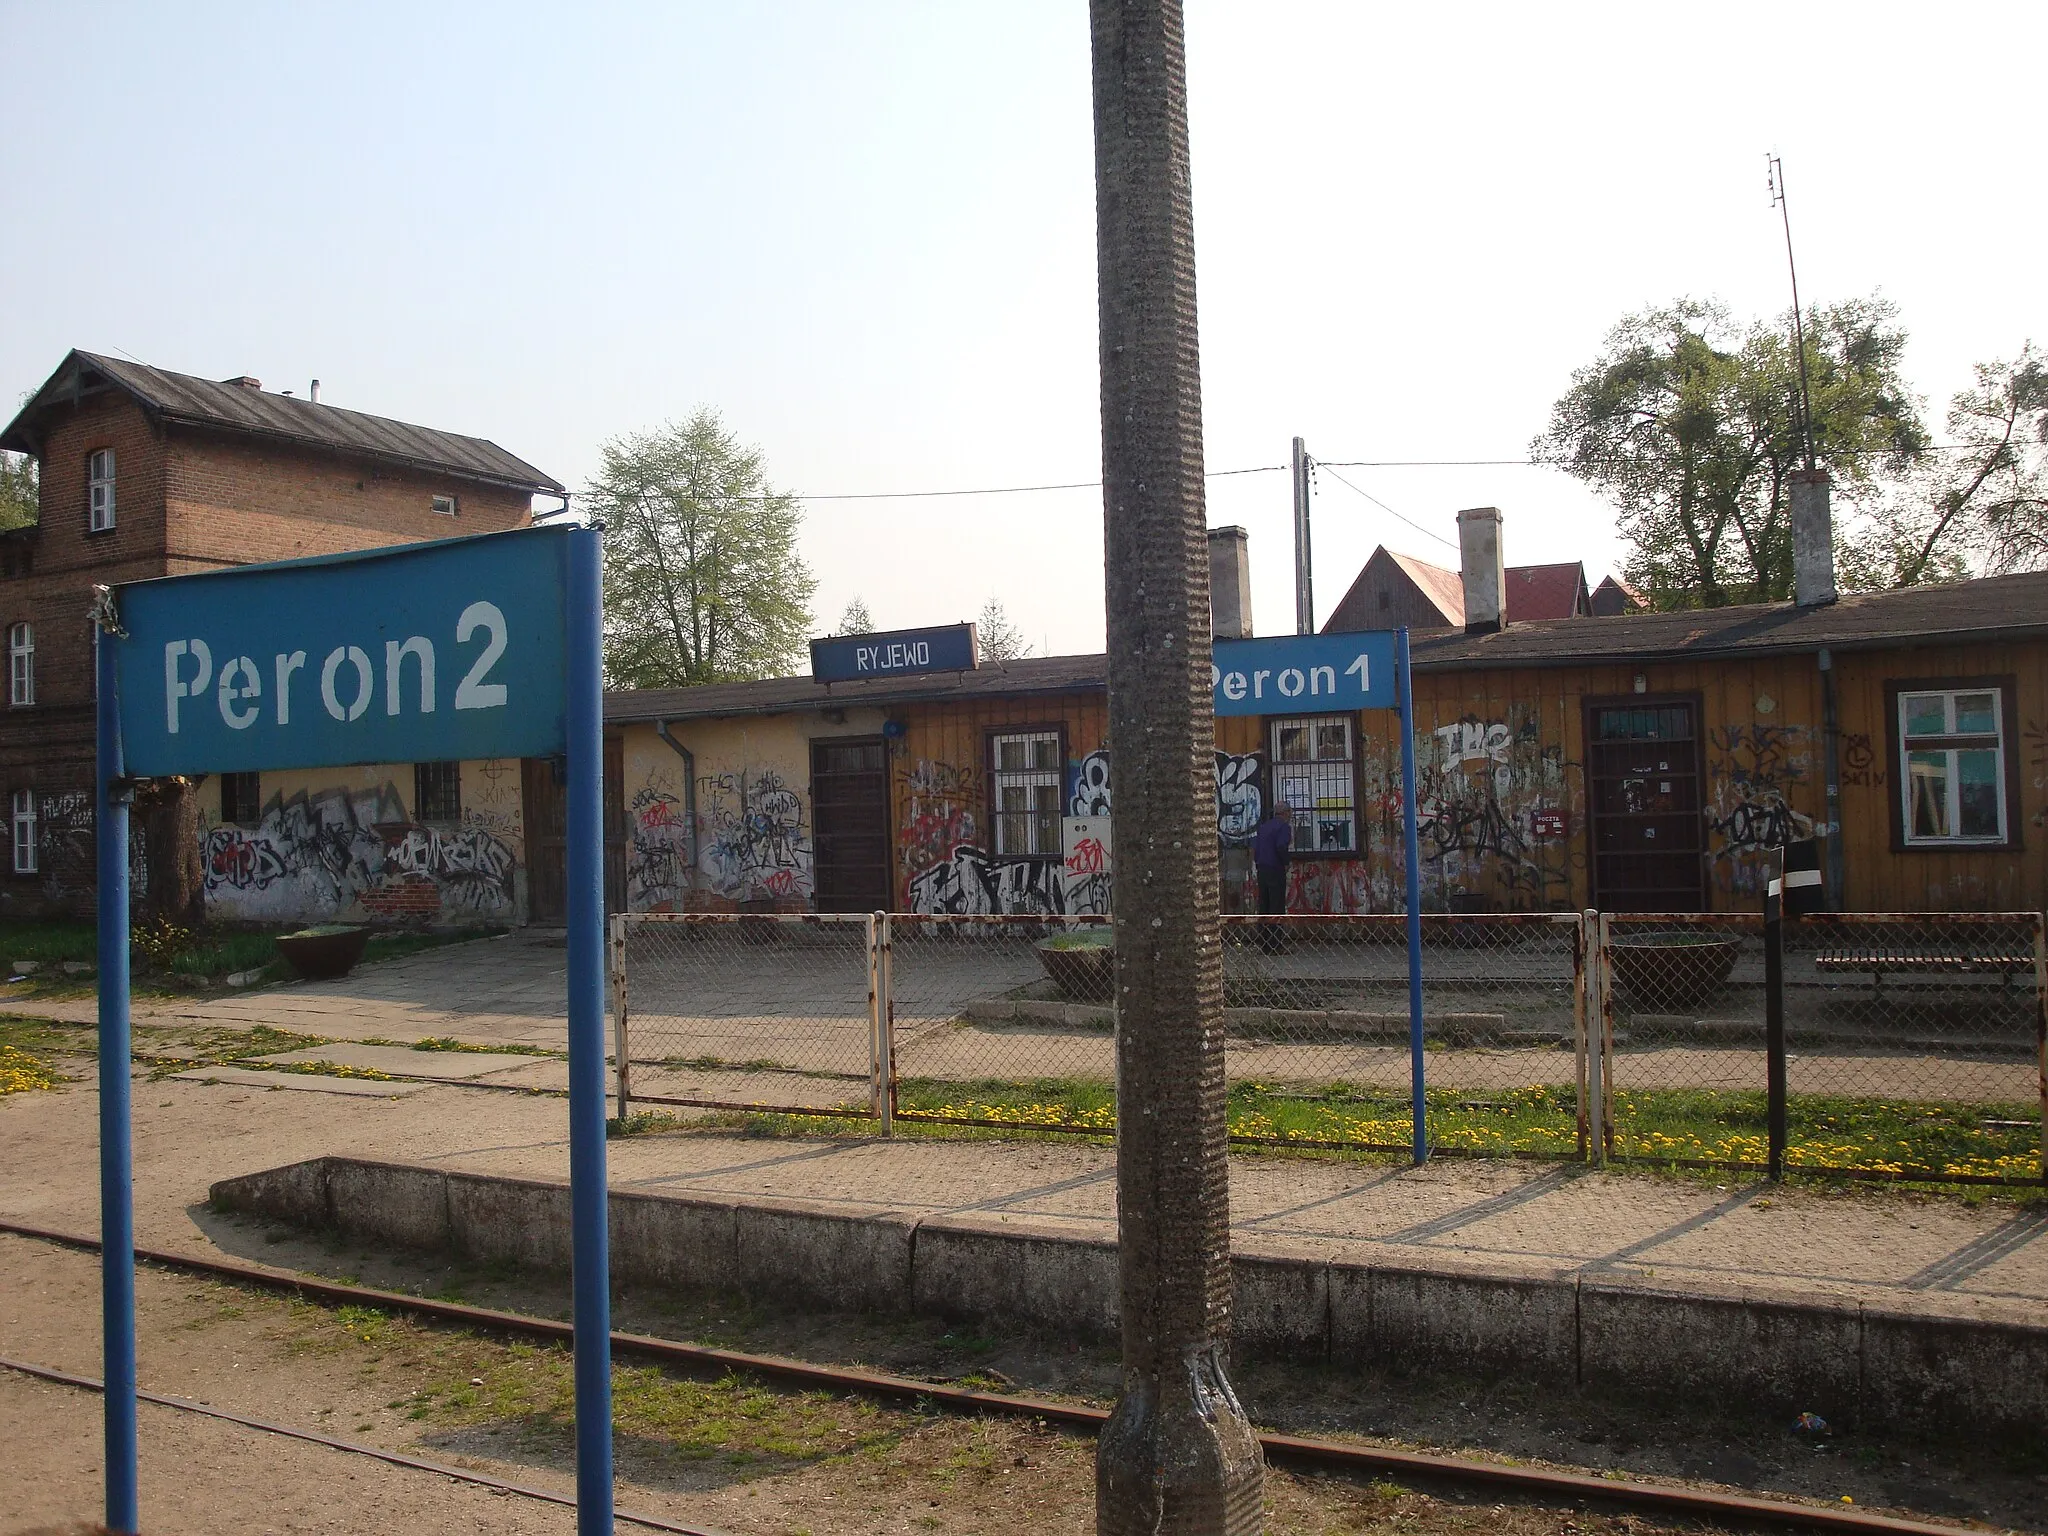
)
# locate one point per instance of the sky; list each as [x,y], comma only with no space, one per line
[865,235]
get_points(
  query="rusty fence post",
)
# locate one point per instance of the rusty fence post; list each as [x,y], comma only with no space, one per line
[882,1034]
[1582,1035]
[619,1035]
[2041,1028]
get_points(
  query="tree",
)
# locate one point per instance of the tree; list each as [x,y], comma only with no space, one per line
[1177,1455]
[856,620]
[17,491]
[998,638]
[702,579]
[1692,426]
[1983,505]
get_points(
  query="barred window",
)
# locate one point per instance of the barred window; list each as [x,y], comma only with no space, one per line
[1314,771]
[1953,748]
[241,799]
[1030,773]
[99,490]
[21,664]
[437,792]
[24,831]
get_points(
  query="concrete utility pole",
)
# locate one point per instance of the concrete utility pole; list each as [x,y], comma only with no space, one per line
[1177,1455]
[1304,569]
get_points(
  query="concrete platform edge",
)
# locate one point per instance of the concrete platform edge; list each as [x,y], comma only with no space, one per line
[1845,1359]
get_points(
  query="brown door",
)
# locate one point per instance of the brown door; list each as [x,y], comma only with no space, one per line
[547,844]
[850,825]
[1643,785]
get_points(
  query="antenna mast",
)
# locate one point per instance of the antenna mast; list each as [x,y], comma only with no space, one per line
[1775,171]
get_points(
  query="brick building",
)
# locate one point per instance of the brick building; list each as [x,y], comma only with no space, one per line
[149,473]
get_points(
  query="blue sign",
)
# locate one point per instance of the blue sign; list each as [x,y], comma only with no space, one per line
[1303,674]
[895,653]
[416,653]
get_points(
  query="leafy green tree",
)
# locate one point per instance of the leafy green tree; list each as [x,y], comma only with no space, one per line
[856,620]
[703,583]
[1982,504]
[17,491]
[997,637]
[1691,425]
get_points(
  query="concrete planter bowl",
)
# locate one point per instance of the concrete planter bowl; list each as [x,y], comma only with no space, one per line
[1082,965]
[1672,970]
[323,953]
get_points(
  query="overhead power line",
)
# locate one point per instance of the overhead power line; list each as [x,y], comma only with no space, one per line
[1011,490]
[1368,495]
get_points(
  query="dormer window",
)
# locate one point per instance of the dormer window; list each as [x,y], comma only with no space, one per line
[99,490]
[445,506]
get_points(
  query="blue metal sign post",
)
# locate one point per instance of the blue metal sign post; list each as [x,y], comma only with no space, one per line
[467,648]
[1301,674]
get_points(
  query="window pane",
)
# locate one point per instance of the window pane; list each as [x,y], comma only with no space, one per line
[1291,741]
[1926,713]
[1927,794]
[1333,739]
[1976,714]
[1977,792]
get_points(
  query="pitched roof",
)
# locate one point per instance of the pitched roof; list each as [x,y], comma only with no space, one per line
[1546,592]
[1446,589]
[1994,608]
[240,408]
[778,695]
[1990,609]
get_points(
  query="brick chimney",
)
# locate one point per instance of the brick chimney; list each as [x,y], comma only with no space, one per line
[1813,539]
[1230,584]
[1483,564]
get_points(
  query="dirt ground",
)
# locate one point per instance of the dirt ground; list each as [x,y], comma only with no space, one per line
[721,1454]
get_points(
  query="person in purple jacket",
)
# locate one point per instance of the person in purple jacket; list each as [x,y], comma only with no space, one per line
[1270,845]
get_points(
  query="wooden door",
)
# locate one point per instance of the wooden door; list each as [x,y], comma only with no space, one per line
[1643,781]
[850,825]
[547,842]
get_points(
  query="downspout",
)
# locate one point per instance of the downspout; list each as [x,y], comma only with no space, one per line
[1831,765]
[690,790]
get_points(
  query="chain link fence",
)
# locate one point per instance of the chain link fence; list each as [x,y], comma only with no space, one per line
[768,1013]
[1914,1044]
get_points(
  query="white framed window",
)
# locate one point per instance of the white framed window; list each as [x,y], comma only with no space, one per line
[1315,771]
[1030,775]
[1952,766]
[99,490]
[24,831]
[447,506]
[21,663]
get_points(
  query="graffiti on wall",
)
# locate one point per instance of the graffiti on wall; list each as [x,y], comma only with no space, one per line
[938,802]
[66,860]
[1091,796]
[972,880]
[1859,765]
[1240,805]
[1753,769]
[1488,795]
[658,848]
[317,854]
[754,843]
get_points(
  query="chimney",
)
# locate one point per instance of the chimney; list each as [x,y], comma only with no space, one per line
[245,381]
[313,394]
[1813,539]
[1484,568]
[1230,584]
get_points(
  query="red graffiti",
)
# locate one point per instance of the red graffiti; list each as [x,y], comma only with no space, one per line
[1088,858]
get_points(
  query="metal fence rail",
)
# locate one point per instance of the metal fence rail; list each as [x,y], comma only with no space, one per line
[1915,1044]
[766,1013]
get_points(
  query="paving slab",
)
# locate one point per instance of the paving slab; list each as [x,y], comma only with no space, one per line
[303,1082]
[404,1061]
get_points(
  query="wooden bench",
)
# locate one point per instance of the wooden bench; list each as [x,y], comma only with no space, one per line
[1923,960]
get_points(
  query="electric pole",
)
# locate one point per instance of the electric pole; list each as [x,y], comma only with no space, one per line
[1304,570]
